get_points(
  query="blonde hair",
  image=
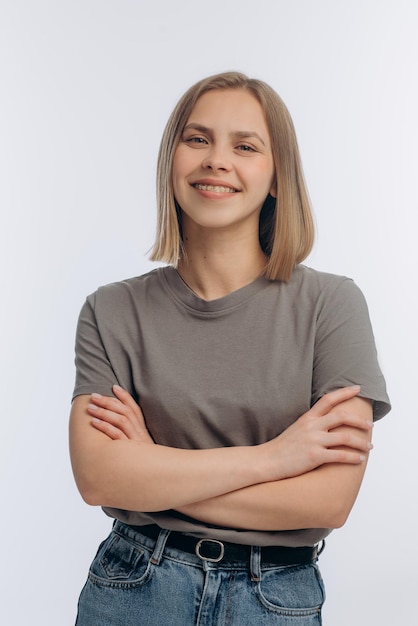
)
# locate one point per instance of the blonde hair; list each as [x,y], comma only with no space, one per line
[286,228]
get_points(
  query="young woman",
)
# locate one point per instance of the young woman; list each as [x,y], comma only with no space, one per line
[223,403]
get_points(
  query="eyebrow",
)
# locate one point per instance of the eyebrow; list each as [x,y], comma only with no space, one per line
[239,134]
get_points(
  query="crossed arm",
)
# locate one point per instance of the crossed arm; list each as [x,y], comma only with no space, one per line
[307,477]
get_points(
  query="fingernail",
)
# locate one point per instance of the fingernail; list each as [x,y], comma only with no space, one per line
[362,457]
[96,395]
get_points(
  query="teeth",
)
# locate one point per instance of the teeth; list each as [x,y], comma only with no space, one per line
[215,188]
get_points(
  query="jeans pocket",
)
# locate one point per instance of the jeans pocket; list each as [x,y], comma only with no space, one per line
[120,563]
[296,591]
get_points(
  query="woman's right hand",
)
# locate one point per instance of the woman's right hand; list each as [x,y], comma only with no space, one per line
[316,438]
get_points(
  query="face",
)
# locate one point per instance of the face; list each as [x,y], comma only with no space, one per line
[223,166]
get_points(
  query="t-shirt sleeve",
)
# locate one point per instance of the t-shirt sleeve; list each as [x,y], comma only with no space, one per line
[94,372]
[345,350]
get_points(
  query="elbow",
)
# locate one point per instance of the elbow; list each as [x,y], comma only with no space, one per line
[91,497]
[92,479]
[337,521]
[338,514]
[89,491]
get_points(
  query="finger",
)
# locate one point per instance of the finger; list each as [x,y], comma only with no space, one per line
[125,397]
[108,429]
[345,418]
[332,399]
[109,402]
[347,440]
[118,407]
[345,456]
[118,420]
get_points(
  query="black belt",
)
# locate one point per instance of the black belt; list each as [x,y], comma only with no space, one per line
[215,551]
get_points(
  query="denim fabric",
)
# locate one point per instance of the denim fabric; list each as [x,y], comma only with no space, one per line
[134,581]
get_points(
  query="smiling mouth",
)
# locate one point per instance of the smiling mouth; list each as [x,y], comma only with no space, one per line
[215,188]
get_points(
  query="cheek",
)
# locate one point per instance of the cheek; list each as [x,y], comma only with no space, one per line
[263,179]
[184,161]
[176,165]
[177,174]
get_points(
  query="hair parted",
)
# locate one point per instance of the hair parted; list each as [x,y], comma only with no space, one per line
[286,224]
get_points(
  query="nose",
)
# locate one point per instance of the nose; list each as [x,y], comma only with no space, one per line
[216,160]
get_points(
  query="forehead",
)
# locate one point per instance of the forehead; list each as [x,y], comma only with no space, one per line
[237,107]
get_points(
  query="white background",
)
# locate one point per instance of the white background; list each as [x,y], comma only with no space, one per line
[85,90]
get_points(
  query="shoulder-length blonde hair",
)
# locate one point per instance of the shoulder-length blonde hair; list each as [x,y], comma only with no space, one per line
[286,228]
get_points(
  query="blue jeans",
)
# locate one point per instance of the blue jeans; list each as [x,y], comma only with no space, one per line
[135,581]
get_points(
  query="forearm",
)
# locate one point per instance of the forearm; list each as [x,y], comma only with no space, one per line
[115,465]
[321,498]
[132,476]
[140,476]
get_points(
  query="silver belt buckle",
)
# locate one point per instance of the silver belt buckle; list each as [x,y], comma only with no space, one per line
[208,558]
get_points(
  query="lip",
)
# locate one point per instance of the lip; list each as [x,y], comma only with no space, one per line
[214,182]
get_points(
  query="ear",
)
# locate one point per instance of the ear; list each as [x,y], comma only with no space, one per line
[273,189]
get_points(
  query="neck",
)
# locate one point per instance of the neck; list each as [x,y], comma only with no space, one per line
[215,268]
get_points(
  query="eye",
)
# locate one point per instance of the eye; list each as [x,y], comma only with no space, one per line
[195,140]
[244,147]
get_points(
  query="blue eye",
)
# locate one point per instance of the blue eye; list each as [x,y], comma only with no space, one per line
[246,148]
[197,140]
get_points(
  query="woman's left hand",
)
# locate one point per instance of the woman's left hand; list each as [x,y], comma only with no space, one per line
[120,417]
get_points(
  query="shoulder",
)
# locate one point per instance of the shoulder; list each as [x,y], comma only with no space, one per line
[311,279]
[119,293]
[325,294]
[322,286]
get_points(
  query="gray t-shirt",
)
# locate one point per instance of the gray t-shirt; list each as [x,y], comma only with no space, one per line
[233,371]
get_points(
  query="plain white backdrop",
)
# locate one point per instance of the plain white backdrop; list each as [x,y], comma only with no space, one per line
[86,87]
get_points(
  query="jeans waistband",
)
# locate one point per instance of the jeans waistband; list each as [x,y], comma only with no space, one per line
[216,551]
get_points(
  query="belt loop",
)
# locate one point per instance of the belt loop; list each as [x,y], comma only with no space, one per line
[321,548]
[159,546]
[255,563]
